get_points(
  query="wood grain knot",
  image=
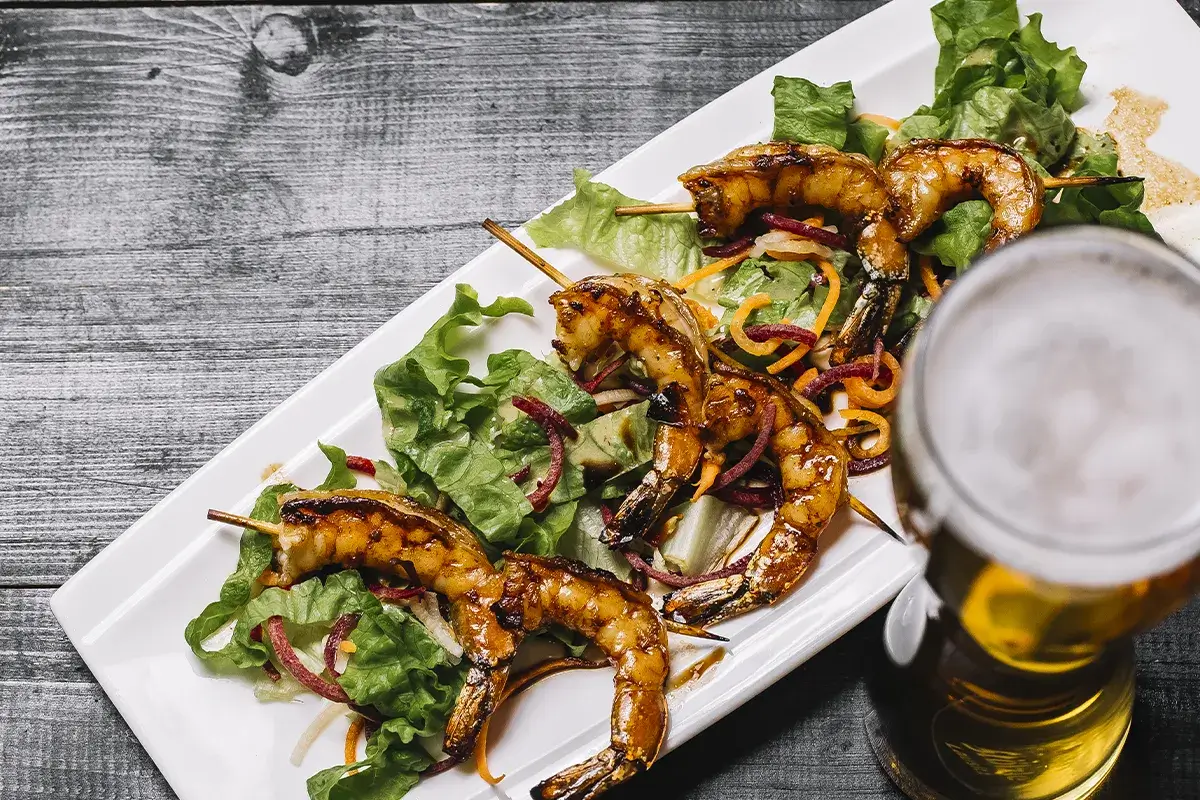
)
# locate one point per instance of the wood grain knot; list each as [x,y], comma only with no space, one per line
[285,43]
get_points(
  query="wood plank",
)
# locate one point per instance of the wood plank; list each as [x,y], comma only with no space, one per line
[150,126]
[799,738]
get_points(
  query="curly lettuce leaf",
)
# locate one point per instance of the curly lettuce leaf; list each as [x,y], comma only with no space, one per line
[1043,133]
[433,448]
[400,670]
[659,245]
[962,26]
[811,114]
[254,557]
[340,476]
[1063,68]
[866,137]
[958,237]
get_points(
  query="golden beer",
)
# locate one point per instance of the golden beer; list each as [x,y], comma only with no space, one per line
[1057,501]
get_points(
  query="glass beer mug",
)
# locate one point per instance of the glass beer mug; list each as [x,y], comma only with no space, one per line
[1048,457]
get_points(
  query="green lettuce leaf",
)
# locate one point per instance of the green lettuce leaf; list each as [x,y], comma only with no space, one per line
[398,668]
[961,26]
[340,476]
[253,558]
[958,237]
[433,448]
[1063,68]
[811,114]
[1118,205]
[1042,133]
[788,284]
[866,137]
[389,478]
[517,372]
[541,532]
[660,245]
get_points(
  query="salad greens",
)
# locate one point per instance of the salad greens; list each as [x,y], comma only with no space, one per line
[661,245]
[455,437]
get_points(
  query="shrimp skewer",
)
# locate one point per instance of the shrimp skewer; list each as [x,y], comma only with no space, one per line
[622,622]
[395,535]
[927,177]
[649,320]
[783,175]
[813,468]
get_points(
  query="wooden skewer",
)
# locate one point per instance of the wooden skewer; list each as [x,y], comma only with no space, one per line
[533,258]
[873,518]
[654,208]
[1050,183]
[269,528]
[1089,180]
[691,630]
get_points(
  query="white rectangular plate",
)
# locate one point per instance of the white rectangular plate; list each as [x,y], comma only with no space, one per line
[126,610]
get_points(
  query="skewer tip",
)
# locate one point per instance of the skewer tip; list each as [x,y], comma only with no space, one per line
[262,526]
[653,208]
[692,630]
[870,516]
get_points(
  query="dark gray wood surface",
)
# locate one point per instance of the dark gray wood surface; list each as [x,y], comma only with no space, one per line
[192,227]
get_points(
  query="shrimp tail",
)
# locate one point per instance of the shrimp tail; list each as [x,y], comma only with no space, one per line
[588,779]
[708,602]
[479,697]
[868,320]
[640,510]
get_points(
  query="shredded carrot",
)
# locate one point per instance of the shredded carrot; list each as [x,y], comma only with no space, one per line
[514,686]
[929,278]
[356,726]
[852,430]
[881,424]
[347,646]
[481,765]
[816,221]
[835,289]
[703,315]
[709,470]
[800,350]
[737,330]
[803,380]
[712,269]
[879,119]
[867,396]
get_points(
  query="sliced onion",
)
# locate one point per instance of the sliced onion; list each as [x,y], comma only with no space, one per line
[877,359]
[819,384]
[615,396]
[826,237]
[680,581]
[789,247]
[361,464]
[544,415]
[428,614]
[781,330]
[861,466]
[397,594]
[341,629]
[760,445]
[590,386]
[520,475]
[315,728]
[729,248]
[292,663]
[540,497]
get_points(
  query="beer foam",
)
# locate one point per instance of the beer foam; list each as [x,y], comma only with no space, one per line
[1062,397]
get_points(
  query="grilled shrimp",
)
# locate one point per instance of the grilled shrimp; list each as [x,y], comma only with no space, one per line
[927,177]
[813,468]
[649,320]
[622,622]
[399,536]
[782,175]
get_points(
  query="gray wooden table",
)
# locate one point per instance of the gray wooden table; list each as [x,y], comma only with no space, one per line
[192,227]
